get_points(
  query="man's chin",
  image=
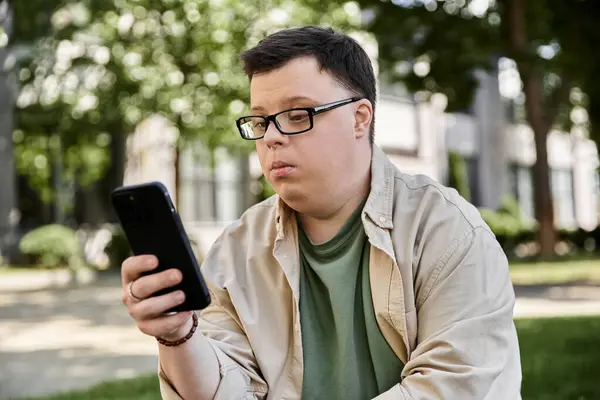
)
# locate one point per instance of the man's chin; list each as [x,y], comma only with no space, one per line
[290,195]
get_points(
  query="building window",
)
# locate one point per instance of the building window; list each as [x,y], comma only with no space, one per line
[561,184]
[522,189]
[207,194]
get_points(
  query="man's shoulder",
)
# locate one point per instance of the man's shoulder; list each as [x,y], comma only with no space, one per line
[250,236]
[429,201]
[434,224]
[257,221]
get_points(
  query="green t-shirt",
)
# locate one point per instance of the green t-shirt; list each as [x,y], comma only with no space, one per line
[345,354]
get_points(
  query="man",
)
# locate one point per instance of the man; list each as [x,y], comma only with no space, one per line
[355,281]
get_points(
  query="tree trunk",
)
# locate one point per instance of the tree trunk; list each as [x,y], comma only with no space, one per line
[115,173]
[544,211]
[538,119]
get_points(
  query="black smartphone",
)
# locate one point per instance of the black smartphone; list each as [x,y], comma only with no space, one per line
[152,226]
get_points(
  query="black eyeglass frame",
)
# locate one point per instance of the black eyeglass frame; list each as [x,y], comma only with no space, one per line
[312,111]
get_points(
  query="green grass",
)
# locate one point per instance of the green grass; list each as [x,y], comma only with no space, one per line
[547,273]
[560,358]
[560,361]
[9,269]
[141,388]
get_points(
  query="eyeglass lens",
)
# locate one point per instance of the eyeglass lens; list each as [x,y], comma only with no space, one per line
[290,122]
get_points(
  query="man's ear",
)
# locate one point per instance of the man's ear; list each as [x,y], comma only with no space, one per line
[363,118]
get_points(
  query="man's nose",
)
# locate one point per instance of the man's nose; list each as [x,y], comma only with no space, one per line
[273,137]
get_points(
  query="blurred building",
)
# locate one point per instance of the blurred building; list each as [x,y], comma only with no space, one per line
[499,154]
[417,136]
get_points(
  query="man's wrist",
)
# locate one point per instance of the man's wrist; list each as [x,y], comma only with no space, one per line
[187,329]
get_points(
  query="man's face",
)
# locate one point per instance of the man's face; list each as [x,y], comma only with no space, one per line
[310,169]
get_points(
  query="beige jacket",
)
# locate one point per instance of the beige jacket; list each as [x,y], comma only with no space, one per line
[441,292]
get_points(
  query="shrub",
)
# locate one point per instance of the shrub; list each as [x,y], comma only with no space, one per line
[457,175]
[511,231]
[508,227]
[118,248]
[266,188]
[52,246]
[581,239]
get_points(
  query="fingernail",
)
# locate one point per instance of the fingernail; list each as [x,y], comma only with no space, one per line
[179,296]
[174,276]
[151,262]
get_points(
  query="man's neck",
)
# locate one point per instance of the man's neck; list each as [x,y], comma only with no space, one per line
[322,229]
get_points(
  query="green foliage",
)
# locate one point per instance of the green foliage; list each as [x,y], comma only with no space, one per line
[581,239]
[507,224]
[506,220]
[3,37]
[510,230]
[458,175]
[267,189]
[52,246]
[557,362]
[451,39]
[143,387]
[437,47]
[118,248]
[99,68]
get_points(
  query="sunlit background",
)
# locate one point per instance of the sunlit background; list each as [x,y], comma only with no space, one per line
[496,98]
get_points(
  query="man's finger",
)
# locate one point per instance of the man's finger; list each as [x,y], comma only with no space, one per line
[147,285]
[155,307]
[133,267]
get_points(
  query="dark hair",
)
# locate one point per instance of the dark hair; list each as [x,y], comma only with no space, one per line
[338,54]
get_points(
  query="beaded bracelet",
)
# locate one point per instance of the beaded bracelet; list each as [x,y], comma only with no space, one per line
[183,339]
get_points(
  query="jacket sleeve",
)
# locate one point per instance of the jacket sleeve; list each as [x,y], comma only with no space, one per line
[467,345]
[239,374]
[220,323]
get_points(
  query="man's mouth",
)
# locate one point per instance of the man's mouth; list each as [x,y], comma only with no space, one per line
[280,169]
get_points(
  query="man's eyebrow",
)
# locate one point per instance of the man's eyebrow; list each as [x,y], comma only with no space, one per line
[294,99]
[257,109]
[287,103]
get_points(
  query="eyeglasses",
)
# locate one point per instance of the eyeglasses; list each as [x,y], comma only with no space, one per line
[288,122]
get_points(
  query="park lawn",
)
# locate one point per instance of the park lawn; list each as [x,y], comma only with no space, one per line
[560,358]
[556,272]
[522,273]
[140,388]
[560,361]
[10,270]
[13,270]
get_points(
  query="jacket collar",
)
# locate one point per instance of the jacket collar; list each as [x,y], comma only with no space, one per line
[380,202]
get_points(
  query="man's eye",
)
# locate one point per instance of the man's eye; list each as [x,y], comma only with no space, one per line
[297,116]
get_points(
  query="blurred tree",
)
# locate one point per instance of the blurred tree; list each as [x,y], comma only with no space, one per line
[458,177]
[436,46]
[96,69]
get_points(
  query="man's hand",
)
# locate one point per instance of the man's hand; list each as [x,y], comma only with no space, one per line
[147,311]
